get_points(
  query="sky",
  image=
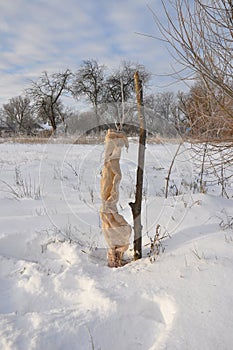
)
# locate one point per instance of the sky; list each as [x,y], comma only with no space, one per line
[42,35]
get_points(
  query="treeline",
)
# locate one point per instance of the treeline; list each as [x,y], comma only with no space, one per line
[111,98]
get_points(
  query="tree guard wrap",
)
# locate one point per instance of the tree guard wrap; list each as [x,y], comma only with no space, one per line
[116,229]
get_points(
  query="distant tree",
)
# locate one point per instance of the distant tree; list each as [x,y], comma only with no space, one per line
[89,82]
[17,114]
[163,114]
[119,85]
[46,93]
[181,117]
[162,104]
[68,116]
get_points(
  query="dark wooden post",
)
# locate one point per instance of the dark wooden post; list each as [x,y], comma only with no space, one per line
[136,206]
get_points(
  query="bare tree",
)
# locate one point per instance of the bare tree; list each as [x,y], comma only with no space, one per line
[208,113]
[89,81]
[18,114]
[47,92]
[201,37]
[162,104]
[119,86]
[163,114]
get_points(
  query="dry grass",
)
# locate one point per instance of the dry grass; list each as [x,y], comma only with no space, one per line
[90,140]
[54,140]
[82,140]
[196,140]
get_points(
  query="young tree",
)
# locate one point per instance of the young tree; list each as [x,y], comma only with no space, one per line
[137,204]
[89,81]
[46,93]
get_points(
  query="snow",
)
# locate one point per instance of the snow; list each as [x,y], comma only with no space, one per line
[46,126]
[56,291]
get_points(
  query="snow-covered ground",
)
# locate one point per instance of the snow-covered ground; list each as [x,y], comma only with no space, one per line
[56,291]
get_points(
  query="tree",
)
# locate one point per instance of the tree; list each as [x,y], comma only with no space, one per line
[89,81]
[163,114]
[46,93]
[18,114]
[119,86]
[207,112]
[162,104]
[200,34]
[137,204]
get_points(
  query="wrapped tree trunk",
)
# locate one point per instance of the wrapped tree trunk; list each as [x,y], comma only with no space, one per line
[136,206]
[115,228]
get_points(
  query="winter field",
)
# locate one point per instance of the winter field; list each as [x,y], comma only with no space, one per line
[56,291]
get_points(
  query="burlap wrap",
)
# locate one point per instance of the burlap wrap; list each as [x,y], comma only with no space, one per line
[116,229]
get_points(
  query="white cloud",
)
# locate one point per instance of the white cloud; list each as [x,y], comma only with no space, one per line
[53,35]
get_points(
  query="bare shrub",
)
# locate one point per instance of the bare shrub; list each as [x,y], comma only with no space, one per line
[156,245]
[23,187]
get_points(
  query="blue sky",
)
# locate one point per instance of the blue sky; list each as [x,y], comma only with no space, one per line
[52,35]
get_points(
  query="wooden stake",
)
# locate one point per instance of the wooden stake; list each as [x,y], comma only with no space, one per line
[136,206]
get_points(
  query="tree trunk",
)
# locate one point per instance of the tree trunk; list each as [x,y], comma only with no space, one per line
[53,120]
[97,118]
[136,206]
